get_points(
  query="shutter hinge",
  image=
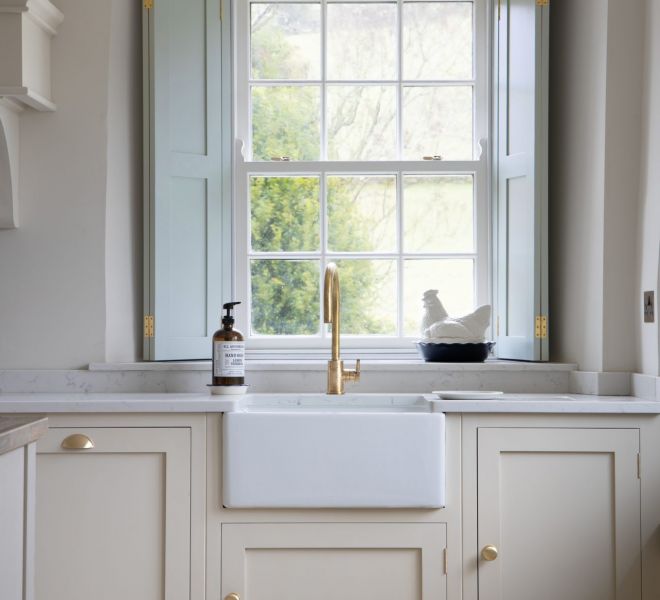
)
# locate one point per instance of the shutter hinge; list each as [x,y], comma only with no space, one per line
[542,2]
[148,4]
[499,9]
[541,327]
[148,326]
[444,560]
[498,326]
[639,466]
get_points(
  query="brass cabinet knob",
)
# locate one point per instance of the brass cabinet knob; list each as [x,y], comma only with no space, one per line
[232,596]
[489,552]
[77,441]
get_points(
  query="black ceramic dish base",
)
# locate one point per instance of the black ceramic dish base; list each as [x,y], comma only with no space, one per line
[432,352]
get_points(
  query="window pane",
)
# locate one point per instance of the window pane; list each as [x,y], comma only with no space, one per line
[362,41]
[361,122]
[437,120]
[438,213]
[284,213]
[285,41]
[285,122]
[361,214]
[437,40]
[285,297]
[368,296]
[454,280]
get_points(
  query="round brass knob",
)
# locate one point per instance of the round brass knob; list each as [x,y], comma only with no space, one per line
[489,552]
[232,596]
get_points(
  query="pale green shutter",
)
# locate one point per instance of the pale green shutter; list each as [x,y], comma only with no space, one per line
[520,179]
[186,225]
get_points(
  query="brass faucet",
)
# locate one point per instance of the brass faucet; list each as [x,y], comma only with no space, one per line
[336,372]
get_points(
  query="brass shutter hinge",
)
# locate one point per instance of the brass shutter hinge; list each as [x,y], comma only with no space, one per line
[541,327]
[639,466]
[444,560]
[148,326]
[148,4]
[542,2]
[498,325]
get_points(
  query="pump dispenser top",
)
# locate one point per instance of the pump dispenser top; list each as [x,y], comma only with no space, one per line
[228,319]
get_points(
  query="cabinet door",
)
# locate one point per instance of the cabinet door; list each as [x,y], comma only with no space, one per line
[17,523]
[562,507]
[351,561]
[113,521]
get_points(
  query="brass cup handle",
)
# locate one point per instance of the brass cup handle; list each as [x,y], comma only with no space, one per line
[77,441]
[489,552]
[232,596]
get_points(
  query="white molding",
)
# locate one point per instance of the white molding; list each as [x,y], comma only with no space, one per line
[9,154]
[28,41]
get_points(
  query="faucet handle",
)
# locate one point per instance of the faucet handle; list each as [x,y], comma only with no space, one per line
[353,375]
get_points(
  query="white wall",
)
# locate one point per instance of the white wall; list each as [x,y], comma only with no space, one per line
[596,59]
[52,269]
[70,290]
[648,247]
[124,185]
[578,51]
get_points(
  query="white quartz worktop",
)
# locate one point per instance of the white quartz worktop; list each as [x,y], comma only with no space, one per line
[203,402]
[550,403]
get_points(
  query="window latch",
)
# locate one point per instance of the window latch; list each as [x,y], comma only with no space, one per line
[434,157]
[280,158]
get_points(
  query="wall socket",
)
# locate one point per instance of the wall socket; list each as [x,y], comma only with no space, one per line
[649,307]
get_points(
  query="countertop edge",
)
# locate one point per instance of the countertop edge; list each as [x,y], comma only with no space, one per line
[20,430]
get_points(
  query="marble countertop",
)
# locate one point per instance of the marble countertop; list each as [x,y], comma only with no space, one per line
[550,404]
[19,430]
[203,403]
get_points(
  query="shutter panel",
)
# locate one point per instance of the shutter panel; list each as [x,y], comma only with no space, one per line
[520,173]
[185,222]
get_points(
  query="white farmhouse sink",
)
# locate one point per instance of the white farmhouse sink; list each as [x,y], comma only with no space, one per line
[319,451]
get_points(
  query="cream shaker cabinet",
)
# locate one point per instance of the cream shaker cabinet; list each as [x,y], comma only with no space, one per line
[558,514]
[326,561]
[114,514]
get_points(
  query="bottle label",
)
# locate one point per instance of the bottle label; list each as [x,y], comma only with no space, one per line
[229,359]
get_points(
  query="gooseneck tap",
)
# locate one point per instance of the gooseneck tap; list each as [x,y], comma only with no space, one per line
[336,372]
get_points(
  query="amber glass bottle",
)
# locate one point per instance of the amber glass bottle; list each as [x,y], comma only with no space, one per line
[228,351]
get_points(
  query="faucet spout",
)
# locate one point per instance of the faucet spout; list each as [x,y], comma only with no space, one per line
[336,372]
[331,305]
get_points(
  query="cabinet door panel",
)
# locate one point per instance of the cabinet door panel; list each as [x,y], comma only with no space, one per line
[352,561]
[113,521]
[562,507]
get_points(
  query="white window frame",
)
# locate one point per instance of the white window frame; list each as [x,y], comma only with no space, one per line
[242,169]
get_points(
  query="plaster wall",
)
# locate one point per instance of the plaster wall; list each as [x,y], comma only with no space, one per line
[648,240]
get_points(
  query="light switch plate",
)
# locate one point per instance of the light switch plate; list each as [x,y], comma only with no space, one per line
[649,307]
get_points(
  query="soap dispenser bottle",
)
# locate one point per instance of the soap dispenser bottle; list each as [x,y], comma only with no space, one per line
[228,351]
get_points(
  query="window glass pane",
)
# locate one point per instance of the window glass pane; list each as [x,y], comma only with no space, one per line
[362,41]
[284,213]
[285,41]
[438,213]
[285,297]
[437,40]
[437,120]
[361,214]
[368,296]
[361,122]
[454,280]
[285,122]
